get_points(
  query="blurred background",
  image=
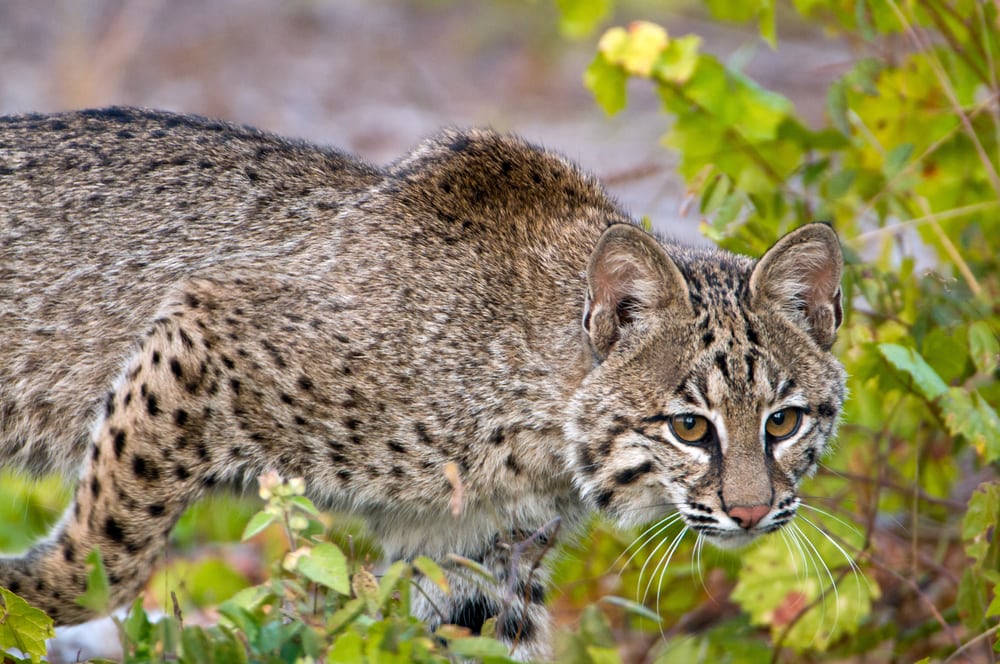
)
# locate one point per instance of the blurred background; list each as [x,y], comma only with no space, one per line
[375,76]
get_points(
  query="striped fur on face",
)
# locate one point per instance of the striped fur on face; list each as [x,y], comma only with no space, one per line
[720,404]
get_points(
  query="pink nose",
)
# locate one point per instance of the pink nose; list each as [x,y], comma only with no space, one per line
[748,516]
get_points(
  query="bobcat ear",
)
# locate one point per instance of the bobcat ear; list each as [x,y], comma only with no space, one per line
[800,275]
[629,277]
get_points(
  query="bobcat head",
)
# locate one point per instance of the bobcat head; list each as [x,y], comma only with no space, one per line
[713,391]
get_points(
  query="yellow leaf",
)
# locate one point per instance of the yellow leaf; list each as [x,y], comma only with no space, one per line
[637,50]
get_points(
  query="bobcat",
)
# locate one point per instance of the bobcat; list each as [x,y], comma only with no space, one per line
[187,303]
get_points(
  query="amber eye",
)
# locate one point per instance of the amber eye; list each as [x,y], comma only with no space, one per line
[690,428]
[783,423]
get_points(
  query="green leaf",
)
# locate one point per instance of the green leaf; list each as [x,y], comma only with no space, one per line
[968,414]
[345,615]
[326,564]
[97,597]
[579,18]
[258,522]
[389,582]
[633,607]
[602,655]
[607,83]
[897,159]
[778,581]
[983,347]
[946,354]
[907,360]
[595,629]
[678,61]
[432,571]
[478,646]
[480,569]
[305,505]
[22,626]
[349,647]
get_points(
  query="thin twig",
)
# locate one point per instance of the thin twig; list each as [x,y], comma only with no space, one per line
[968,644]
[916,221]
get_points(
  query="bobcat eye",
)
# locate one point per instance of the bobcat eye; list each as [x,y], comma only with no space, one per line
[783,423]
[690,428]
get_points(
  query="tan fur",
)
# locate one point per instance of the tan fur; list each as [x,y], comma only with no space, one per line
[185,303]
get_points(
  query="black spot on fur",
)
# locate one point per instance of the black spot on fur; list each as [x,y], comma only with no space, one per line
[707,338]
[182,472]
[185,339]
[119,443]
[630,475]
[151,405]
[472,613]
[180,417]
[512,465]
[113,530]
[422,434]
[722,364]
[305,382]
[396,446]
[176,369]
[156,509]
[95,486]
[145,469]
[603,499]
[496,437]
[69,552]
[155,357]
[191,300]
[286,399]
[826,409]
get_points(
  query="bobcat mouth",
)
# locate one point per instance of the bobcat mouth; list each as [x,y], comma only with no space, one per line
[729,537]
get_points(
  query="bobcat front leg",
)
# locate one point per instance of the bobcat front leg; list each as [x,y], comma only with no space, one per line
[516,600]
[148,462]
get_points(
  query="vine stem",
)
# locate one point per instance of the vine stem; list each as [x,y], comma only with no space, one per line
[968,644]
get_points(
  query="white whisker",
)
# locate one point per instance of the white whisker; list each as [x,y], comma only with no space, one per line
[666,564]
[646,537]
[791,554]
[855,570]
[833,582]
[652,554]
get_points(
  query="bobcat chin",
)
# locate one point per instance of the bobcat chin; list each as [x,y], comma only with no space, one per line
[186,303]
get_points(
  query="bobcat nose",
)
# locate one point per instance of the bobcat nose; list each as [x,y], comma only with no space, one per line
[748,516]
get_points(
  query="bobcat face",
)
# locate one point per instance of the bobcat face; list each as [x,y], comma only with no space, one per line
[716,394]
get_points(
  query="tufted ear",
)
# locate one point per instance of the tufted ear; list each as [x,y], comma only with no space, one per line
[800,275]
[629,278]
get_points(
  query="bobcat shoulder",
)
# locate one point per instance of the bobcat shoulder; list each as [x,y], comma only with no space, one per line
[187,303]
